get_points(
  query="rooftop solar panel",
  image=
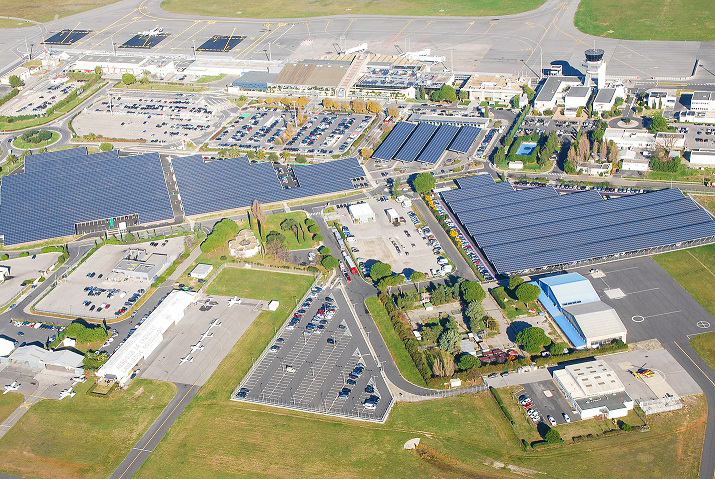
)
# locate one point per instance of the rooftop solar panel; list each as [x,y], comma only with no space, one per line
[438,144]
[475,181]
[472,193]
[82,161]
[48,203]
[483,207]
[51,155]
[464,139]
[416,142]
[394,141]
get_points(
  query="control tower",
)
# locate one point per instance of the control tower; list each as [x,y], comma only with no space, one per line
[595,68]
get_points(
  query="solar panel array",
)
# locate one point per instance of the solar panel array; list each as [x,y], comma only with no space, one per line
[464,139]
[47,202]
[416,142]
[438,144]
[425,142]
[397,137]
[538,228]
[235,183]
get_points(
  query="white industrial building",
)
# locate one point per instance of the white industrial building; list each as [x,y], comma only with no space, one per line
[201,271]
[35,357]
[6,346]
[630,138]
[605,100]
[661,98]
[594,169]
[361,213]
[631,162]
[703,101]
[577,97]
[494,88]
[593,390]
[701,158]
[552,91]
[147,337]
[22,73]
[137,264]
[597,322]
[4,273]
[117,65]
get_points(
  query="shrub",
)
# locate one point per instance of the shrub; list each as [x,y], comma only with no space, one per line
[552,436]
[106,147]
[23,254]
[222,233]
[503,408]
[4,257]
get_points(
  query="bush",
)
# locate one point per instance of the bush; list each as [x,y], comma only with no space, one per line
[499,295]
[222,233]
[106,147]
[503,408]
[309,222]
[23,254]
[330,262]
[128,79]
[624,426]
[552,436]
[4,257]
[515,281]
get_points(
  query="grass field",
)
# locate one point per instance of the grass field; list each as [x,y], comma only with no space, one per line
[21,144]
[273,223]
[704,345]
[311,8]
[633,20]
[82,437]
[394,343]
[255,284]
[45,10]
[706,201]
[160,87]
[694,269]
[8,23]
[8,403]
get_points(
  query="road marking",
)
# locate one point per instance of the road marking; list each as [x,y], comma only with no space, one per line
[703,324]
[639,319]
[696,364]
[643,291]
[701,263]
[397,35]
[256,42]
[174,37]
[105,28]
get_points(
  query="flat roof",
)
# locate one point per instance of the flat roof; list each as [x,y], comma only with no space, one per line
[588,379]
[551,86]
[126,59]
[703,96]
[596,319]
[579,92]
[324,73]
[605,95]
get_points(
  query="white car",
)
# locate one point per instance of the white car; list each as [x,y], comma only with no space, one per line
[566,417]
[290,369]
[551,420]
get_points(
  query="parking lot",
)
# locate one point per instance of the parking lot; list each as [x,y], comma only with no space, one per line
[194,347]
[156,117]
[563,128]
[38,95]
[83,294]
[407,247]
[321,134]
[27,268]
[319,362]
[547,400]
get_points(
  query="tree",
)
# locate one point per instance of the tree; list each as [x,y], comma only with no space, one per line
[515,281]
[475,313]
[423,182]
[500,155]
[106,147]
[658,123]
[366,152]
[301,159]
[527,292]
[289,224]
[318,237]
[552,436]
[128,79]
[393,111]
[98,70]
[330,262]
[514,101]
[417,276]
[276,245]
[530,93]
[389,281]
[324,251]
[557,349]
[466,362]
[374,107]
[15,81]
[396,184]
[449,341]
[259,214]
[532,339]
[471,291]
[380,270]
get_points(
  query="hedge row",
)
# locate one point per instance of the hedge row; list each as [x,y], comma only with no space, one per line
[500,402]
[499,294]
[405,334]
[9,96]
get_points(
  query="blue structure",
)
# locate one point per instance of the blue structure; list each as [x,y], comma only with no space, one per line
[567,289]
[537,229]
[526,148]
[464,139]
[425,142]
[64,189]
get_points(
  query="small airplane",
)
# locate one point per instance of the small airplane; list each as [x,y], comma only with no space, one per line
[197,347]
[69,392]
[206,335]
[154,31]
[11,387]
[234,300]
[186,360]
[79,379]
[215,322]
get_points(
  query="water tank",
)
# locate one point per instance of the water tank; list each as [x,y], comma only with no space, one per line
[594,55]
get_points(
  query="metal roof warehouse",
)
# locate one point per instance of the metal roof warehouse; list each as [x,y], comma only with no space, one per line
[539,230]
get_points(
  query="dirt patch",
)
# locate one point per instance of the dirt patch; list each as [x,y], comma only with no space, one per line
[137,393]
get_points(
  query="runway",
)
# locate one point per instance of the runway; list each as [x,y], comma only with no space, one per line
[521,43]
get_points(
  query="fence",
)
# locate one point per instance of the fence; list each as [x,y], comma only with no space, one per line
[655,406]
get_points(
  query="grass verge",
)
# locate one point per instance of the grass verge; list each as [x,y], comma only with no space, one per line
[257,284]
[20,144]
[8,403]
[704,345]
[82,437]
[694,270]
[45,10]
[394,343]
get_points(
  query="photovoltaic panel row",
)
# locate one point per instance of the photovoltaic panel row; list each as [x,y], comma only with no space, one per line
[394,141]
[594,222]
[416,142]
[235,183]
[476,181]
[47,204]
[438,144]
[481,207]
[464,139]
[85,162]
[577,245]
[40,157]
[472,193]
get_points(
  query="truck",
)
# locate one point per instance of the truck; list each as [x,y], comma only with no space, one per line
[392,216]
[351,264]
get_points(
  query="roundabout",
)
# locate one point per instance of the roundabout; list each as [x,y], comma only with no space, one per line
[35,139]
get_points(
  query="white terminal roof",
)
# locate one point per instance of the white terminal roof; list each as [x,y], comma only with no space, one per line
[147,336]
[589,379]
[6,346]
[361,210]
[596,319]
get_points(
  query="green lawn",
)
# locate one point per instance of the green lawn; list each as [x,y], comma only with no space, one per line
[636,20]
[82,437]
[160,87]
[694,269]
[21,144]
[273,223]
[8,403]
[704,345]
[45,10]
[7,23]
[394,343]
[211,78]
[256,284]
[310,8]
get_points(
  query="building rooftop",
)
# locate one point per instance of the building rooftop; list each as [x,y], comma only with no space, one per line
[596,319]
[579,92]
[605,95]
[551,86]
[703,96]
[255,77]
[589,379]
[570,288]
[321,73]
[126,59]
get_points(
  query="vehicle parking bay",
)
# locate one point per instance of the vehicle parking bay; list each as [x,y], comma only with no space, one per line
[549,401]
[205,335]
[309,371]
[38,96]
[24,269]
[69,296]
